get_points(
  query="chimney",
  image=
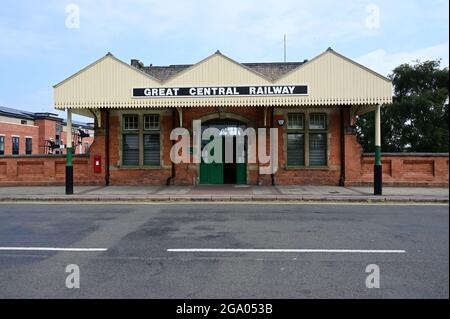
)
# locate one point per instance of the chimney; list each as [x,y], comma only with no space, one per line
[137,64]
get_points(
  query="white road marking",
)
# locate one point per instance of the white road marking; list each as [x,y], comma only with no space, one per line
[323,251]
[53,249]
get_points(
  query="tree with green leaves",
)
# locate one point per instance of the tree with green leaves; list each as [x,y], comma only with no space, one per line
[417,121]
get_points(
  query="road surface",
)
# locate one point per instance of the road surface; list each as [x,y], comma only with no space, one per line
[223,250]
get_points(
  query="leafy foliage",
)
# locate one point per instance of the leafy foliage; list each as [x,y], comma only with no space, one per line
[417,121]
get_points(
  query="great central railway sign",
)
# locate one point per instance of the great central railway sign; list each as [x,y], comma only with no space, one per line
[221,91]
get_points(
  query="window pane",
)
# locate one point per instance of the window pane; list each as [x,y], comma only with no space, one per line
[152,149]
[318,122]
[15,146]
[296,121]
[58,134]
[130,122]
[130,154]
[2,145]
[151,122]
[29,146]
[296,150]
[317,149]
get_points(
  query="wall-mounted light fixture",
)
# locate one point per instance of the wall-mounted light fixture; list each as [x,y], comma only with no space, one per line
[281,122]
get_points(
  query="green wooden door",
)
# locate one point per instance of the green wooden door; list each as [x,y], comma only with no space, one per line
[212,173]
[241,174]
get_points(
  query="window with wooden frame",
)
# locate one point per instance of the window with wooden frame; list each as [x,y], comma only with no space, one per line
[152,140]
[318,139]
[130,140]
[296,139]
[130,122]
[141,143]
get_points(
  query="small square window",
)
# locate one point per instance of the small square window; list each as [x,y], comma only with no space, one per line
[318,122]
[130,122]
[296,121]
[151,122]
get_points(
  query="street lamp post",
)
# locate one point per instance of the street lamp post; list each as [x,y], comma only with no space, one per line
[69,155]
[378,169]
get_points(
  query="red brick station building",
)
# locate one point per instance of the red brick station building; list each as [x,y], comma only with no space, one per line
[313,104]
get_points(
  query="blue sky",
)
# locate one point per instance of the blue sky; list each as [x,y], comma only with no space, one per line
[38,50]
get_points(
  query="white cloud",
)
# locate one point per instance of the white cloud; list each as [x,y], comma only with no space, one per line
[384,62]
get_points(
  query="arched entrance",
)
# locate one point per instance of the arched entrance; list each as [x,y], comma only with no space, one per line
[234,173]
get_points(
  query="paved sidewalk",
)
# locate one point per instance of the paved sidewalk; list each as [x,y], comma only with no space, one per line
[225,193]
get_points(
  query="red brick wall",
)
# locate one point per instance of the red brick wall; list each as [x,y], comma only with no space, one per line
[399,170]
[405,170]
[187,174]
[44,170]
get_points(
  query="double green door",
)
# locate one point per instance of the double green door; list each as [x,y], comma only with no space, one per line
[223,173]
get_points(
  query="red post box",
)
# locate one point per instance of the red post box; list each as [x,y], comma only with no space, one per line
[97,164]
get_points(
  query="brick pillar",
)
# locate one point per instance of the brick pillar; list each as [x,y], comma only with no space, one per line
[98,149]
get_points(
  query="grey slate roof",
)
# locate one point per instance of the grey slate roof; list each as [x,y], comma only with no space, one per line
[165,72]
[7,111]
[26,115]
[273,70]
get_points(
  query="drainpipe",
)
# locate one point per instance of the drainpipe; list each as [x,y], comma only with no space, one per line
[173,174]
[107,148]
[342,178]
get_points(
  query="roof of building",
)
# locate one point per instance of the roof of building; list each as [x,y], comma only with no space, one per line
[334,79]
[27,115]
[7,111]
[271,70]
